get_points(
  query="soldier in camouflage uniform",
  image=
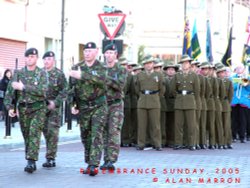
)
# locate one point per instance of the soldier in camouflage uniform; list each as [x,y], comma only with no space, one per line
[116,79]
[91,103]
[30,86]
[57,92]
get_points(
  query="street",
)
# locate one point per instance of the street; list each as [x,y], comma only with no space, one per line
[148,168]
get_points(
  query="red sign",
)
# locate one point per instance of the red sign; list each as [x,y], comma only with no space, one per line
[111,23]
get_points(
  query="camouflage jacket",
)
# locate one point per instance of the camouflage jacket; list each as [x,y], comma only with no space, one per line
[92,84]
[35,87]
[116,81]
[57,86]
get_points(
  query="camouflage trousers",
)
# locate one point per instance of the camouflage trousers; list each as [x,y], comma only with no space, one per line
[32,124]
[112,131]
[51,132]
[92,122]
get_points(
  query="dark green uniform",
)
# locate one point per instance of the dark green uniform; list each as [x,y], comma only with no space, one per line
[125,134]
[116,79]
[31,106]
[91,101]
[134,121]
[57,92]
[226,111]
[149,87]
[186,88]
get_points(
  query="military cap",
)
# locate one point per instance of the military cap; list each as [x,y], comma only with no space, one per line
[139,67]
[132,64]
[170,65]
[123,61]
[204,65]
[147,59]
[49,54]
[220,69]
[31,51]
[159,64]
[185,58]
[110,46]
[90,45]
[195,63]
[218,65]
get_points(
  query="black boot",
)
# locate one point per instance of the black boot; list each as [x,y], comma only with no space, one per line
[86,170]
[104,166]
[110,166]
[49,163]
[93,170]
[31,166]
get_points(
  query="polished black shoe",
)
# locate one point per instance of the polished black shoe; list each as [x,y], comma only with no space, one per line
[203,146]
[49,163]
[198,147]
[110,166]
[234,140]
[86,170]
[158,148]
[125,145]
[31,166]
[220,147]
[104,166]
[225,147]
[211,147]
[93,170]
[192,148]
[177,147]
[229,146]
[140,148]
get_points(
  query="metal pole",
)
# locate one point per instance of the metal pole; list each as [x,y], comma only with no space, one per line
[62,33]
[185,9]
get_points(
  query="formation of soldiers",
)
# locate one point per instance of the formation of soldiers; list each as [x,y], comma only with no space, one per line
[184,105]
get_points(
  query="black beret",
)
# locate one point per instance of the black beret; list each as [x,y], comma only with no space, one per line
[31,51]
[49,54]
[90,45]
[110,46]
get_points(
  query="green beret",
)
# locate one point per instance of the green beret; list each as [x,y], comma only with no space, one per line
[48,54]
[110,46]
[90,45]
[31,51]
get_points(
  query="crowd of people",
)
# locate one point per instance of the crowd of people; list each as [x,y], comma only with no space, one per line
[189,105]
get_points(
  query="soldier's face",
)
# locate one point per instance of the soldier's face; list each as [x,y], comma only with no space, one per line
[48,62]
[186,65]
[31,60]
[90,54]
[110,56]
[157,69]
[170,71]
[221,74]
[149,66]
[205,71]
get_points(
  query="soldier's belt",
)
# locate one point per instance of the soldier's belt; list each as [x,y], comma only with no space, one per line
[94,103]
[185,92]
[31,105]
[149,92]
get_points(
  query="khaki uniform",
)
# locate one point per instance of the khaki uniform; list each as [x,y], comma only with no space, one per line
[186,87]
[226,111]
[211,110]
[149,88]
[134,121]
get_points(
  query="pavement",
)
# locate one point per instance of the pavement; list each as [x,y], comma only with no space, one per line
[16,140]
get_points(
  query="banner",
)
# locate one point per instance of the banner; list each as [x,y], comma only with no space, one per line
[196,50]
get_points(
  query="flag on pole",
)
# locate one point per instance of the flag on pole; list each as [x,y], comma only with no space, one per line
[226,60]
[209,44]
[196,50]
[246,50]
[187,48]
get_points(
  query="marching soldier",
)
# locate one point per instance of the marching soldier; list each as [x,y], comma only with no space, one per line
[149,87]
[31,87]
[91,103]
[186,88]
[56,94]
[116,78]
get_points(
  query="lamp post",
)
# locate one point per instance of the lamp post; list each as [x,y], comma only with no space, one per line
[62,33]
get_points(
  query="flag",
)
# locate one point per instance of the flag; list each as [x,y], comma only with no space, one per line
[209,44]
[246,55]
[196,50]
[226,60]
[187,49]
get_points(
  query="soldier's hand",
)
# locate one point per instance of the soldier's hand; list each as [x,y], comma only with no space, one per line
[12,113]
[51,105]
[74,110]
[18,85]
[75,74]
